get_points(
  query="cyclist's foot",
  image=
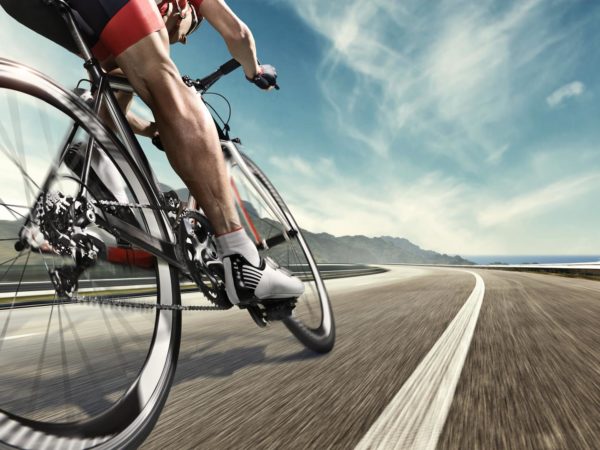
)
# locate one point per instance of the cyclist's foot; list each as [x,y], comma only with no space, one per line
[246,283]
[250,278]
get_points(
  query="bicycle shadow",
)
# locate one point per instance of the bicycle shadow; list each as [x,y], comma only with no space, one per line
[200,364]
[46,389]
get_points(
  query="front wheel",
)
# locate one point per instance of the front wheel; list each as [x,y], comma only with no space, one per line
[311,321]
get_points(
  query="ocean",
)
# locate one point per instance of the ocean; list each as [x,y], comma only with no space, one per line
[531,259]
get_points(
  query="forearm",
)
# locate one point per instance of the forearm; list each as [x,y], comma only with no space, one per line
[236,34]
[141,126]
[242,47]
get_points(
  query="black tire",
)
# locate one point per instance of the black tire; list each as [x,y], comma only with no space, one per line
[118,418]
[317,335]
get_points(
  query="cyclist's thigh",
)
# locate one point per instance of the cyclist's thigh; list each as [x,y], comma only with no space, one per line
[118,24]
[149,68]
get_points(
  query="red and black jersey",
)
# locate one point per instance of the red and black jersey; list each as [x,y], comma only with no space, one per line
[109,26]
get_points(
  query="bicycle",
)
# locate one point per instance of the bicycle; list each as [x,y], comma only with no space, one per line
[101,332]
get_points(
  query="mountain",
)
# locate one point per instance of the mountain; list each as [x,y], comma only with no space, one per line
[327,248]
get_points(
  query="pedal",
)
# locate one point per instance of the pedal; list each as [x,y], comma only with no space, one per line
[258,314]
[279,309]
[270,310]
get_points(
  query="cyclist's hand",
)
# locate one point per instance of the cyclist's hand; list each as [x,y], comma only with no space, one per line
[266,78]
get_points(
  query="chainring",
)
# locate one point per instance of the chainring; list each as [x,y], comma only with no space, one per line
[198,247]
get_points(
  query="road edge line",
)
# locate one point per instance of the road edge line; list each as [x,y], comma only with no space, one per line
[416,421]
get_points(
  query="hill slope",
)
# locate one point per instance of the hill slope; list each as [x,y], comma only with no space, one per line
[326,248]
[379,250]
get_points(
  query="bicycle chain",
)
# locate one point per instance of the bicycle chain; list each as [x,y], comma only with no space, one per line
[141,305]
[145,305]
[184,213]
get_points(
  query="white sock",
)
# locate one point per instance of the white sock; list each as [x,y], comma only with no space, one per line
[238,242]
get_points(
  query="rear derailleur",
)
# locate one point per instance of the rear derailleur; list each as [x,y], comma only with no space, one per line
[59,227]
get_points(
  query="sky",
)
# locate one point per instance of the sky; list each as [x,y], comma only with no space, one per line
[467,127]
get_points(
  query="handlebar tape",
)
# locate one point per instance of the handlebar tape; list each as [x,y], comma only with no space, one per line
[229,66]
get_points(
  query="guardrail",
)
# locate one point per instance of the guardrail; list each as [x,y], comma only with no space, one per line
[38,293]
[332,271]
[589,270]
[584,270]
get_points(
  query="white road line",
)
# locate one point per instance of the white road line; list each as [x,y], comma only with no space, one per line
[416,415]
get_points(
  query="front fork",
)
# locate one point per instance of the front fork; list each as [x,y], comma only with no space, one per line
[234,158]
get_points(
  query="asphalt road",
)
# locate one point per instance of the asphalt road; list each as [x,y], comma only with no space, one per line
[530,378]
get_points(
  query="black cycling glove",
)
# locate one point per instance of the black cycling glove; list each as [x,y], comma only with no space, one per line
[266,77]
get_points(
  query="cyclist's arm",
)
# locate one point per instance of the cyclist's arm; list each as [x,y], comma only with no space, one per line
[139,126]
[236,34]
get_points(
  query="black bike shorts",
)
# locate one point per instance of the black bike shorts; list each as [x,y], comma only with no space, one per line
[109,26]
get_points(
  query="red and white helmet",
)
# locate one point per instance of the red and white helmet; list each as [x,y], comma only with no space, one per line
[182,8]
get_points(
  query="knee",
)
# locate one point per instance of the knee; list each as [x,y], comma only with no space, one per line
[158,82]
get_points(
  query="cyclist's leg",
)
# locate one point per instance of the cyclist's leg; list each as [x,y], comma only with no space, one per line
[192,145]
[188,133]
[185,127]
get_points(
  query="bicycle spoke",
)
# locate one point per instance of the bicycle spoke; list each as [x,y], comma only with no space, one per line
[14,299]
[38,375]
[12,259]
[23,171]
[15,116]
[7,321]
[47,131]
[115,345]
[10,267]
[83,353]
[68,394]
[12,211]
[12,205]
[21,278]
[4,136]
[134,336]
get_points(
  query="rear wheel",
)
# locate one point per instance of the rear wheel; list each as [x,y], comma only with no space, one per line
[75,375]
[311,321]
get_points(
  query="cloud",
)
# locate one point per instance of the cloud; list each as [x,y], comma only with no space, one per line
[573,89]
[447,77]
[293,163]
[536,202]
[434,212]
[496,157]
[439,211]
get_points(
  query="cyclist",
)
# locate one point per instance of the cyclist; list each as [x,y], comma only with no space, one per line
[134,35]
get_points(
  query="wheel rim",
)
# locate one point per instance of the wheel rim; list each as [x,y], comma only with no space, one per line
[313,312]
[85,374]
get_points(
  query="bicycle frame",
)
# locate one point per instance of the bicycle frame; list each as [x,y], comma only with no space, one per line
[105,98]
[103,86]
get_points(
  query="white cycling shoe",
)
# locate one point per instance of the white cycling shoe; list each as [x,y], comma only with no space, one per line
[246,283]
